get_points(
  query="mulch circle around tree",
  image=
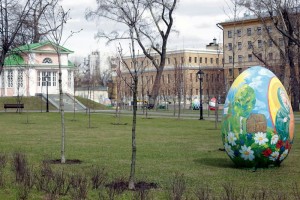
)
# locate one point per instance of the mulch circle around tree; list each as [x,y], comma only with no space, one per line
[68,161]
[121,186]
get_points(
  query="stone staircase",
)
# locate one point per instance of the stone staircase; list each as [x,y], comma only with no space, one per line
[68,102]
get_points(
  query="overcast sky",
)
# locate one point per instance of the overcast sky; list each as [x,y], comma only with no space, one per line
[194,19]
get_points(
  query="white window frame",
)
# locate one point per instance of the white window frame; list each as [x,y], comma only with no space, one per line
[2,80]
[10,78]
[69,78]
[239,46]
[20,83]
[249,31]
[47,60]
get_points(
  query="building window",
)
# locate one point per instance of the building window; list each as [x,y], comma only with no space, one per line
[182,60]
[240,70]
[151,79]
[190,59]
[10,78]
[217,60]
[206,60]
[229,46]
[169,80]
[249,31]
[240,58]
[259,55]
[20,78]
[259,43]
[258,30]
[69,78]
[239,45]
[230,59]
[229,34]
[200,60]
[175,61]
[249,45]
[239,32]
[280,41]
[249,57]
[270,43]
[54,78]
[230,72]
[195,59]
[269,29]
[270,56]
[44,78]
[191,77]
[47,60]
[196,78]
[211,60]
[212,77]
[2,80]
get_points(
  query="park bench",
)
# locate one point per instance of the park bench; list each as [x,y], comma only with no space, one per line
[14,105]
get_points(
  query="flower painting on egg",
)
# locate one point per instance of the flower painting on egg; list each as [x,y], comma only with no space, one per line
[258,120]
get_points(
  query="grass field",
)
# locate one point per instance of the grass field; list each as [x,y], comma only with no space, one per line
[165,147]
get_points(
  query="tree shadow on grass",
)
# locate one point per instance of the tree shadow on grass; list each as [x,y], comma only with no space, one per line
[68,161]
[216,162]
[28,123]
[119,124]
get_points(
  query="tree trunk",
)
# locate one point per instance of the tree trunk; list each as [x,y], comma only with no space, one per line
[131,185]
[156,84]
[61,108]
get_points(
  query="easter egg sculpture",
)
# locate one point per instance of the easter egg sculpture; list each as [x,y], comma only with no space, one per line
[258,120]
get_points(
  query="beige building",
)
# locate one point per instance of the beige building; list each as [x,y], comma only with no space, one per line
[245,41]
[179,76]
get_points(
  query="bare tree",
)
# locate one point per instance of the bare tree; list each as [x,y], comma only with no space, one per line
[132,84]
[284,16]
[35,26]
[151,27]
[178,85]
[13,15]
[57,17]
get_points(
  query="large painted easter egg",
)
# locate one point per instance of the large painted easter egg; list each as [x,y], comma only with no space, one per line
[258,120]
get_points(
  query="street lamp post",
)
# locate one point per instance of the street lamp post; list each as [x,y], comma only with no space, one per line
[47,104]
[200,74]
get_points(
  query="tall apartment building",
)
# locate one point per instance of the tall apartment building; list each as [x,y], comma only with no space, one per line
[94,63]
[181,66]
[244,41]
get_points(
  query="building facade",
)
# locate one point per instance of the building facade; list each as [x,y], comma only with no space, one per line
[178,78]
[28,68]
[246,43]
[94,63]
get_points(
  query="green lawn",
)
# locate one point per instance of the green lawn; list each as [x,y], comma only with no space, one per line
[164,147]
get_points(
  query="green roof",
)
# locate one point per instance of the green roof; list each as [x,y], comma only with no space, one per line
[34,47]
[70,64]
[13,60]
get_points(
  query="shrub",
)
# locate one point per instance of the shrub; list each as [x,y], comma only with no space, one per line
[3,161]
[79,187]
[177,187]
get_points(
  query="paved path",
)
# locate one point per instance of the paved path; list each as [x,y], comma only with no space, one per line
[184,115]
